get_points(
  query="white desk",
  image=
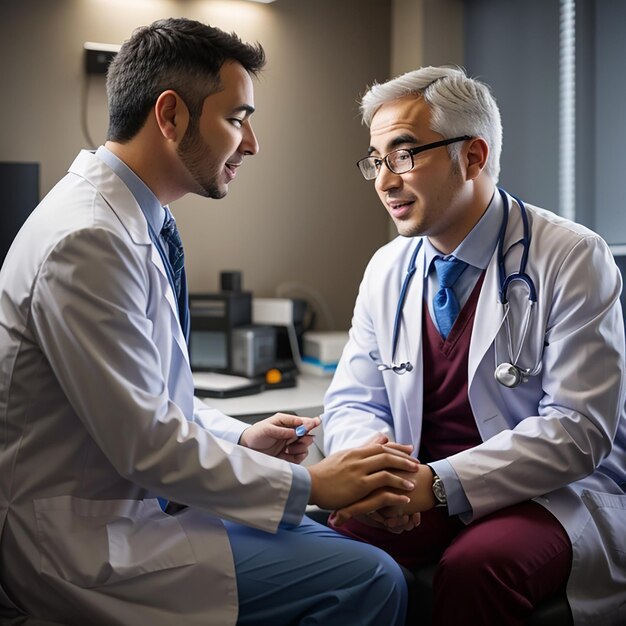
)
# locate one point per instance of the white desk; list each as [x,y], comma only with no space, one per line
[306,398]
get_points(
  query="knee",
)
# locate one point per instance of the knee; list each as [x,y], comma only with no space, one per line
[466,567]
[379,573]
[391,575]
[382,589]
[388,591]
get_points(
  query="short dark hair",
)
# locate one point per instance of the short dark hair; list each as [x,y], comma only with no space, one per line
[174,53]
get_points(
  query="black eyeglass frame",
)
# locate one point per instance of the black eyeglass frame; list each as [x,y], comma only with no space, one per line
[411,151]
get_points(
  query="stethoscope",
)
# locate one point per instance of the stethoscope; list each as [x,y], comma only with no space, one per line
[508,373]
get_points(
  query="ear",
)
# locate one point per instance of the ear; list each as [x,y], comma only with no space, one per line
[476,157]
[172,115]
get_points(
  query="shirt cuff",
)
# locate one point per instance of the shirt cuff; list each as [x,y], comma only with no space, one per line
[298,496]
[457,500]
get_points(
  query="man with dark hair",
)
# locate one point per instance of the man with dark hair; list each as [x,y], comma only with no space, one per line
[178,54]
[96,393]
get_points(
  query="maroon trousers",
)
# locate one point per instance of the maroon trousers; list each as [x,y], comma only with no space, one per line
[492,571]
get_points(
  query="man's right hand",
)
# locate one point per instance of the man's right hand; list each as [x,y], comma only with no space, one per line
[364,474]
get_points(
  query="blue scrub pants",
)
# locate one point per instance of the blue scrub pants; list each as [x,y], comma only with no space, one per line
[310,575]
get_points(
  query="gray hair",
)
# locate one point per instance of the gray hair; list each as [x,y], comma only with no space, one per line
[459,105]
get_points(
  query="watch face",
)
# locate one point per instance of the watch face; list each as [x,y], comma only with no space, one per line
[439,490]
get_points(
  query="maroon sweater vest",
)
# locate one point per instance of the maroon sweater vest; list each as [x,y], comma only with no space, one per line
[448,424]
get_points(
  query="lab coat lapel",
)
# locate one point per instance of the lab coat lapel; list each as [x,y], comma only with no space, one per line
[126,209]
[171,300]
[489,313]
[410,345]
[115,192]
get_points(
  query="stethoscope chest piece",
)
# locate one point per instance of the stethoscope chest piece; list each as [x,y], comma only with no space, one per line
[510,375]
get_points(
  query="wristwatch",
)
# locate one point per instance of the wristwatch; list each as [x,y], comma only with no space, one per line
[439,490]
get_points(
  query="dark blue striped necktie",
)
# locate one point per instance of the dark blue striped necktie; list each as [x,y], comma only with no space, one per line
[176,256]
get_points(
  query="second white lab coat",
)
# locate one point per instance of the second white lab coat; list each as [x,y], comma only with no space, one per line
[98,417]
[559,439]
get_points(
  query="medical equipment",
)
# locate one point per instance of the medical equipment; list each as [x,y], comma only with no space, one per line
[509,374]
[223,336]
[399,368]
[19,195]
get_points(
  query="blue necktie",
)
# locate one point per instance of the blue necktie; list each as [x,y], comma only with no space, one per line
[176,256]
[445,303]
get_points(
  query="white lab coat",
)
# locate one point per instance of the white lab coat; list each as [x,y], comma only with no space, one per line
[559,439]
[98,416]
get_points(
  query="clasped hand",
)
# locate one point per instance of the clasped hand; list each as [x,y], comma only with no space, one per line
[362,480]
[380,483]
[399,517]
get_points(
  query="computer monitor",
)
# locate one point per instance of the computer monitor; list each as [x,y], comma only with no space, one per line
[19,195]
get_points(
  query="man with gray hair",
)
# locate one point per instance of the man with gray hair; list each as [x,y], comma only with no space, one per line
[520,491]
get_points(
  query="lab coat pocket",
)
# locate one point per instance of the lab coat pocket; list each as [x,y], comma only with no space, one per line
[91,543]
[608,511]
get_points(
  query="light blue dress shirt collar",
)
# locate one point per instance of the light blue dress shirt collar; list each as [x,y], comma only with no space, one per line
[480,243]
[148,203]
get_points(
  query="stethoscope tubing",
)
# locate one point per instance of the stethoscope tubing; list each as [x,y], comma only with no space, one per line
[504,280]
[405,286]
[521,274]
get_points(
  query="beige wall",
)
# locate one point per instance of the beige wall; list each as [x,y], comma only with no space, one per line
[298,216]
[425,32]
[298,212]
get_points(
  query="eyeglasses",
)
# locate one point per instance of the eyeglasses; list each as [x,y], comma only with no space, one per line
[400,161]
